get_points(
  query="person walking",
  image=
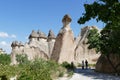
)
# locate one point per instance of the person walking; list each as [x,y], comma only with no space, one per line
[82,64]
[86,64]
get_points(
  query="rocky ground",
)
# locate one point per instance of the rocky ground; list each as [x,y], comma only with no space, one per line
[90,74]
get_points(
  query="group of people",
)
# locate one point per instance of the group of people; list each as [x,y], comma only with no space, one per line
[84,64]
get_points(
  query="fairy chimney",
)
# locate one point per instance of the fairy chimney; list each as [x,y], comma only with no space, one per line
[63,49]
[51,41]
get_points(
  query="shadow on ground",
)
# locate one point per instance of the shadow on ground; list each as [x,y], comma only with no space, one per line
[95,75]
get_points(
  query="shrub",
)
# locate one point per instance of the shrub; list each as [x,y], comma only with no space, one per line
[67,65]
[5,59]
[40,69]
[36,70]
[22,58]
[7,71]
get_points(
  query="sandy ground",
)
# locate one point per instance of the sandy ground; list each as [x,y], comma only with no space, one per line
[89,74]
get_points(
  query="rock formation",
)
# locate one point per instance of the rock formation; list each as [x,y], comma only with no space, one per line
[64,44]
[104,65]
[62,48]
[81,49]
[51,41]
[38,46]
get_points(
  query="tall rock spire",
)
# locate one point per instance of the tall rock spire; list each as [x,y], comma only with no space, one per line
[64,45]
[51,41]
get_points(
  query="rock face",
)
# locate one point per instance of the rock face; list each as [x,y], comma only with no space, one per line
[64,44]
[81,49]
[103,64]
[62,48]
[38,46]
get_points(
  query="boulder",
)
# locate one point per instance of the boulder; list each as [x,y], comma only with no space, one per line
[104,65]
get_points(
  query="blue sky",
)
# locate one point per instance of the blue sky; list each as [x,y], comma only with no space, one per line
[19,17]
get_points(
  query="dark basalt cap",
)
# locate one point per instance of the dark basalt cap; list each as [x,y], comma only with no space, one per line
[41,34]
[66,18]
[51,34]
[33,35]
[14,43]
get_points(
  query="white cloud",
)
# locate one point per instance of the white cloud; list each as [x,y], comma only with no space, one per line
[13,36]
[3,34]
[3,43]
[5,46]
[6,35]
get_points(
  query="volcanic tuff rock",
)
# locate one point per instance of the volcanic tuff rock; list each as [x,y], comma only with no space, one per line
[62,48]
[105,64]
[37,47]
[51,41]
[64,44]
[81,51]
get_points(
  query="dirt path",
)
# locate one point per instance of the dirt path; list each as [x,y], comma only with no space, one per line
[89,74]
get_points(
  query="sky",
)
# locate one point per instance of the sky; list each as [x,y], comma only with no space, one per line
[19,17]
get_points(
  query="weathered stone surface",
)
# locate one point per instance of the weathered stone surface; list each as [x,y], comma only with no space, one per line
[41,35]
[103,64]
[63,48]
[51,35]
[33,35]
[51,41]
[81,49]
[31,52]
[37,47]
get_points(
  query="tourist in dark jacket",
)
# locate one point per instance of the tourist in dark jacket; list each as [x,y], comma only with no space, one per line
[86,64]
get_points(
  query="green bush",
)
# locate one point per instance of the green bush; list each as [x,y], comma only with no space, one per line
[67,65]
[22,58]
[40,69]
[5,59]
[37,69]
[8,71]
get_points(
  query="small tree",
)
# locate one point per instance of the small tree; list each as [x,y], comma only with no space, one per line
[107,11]
[94,40]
